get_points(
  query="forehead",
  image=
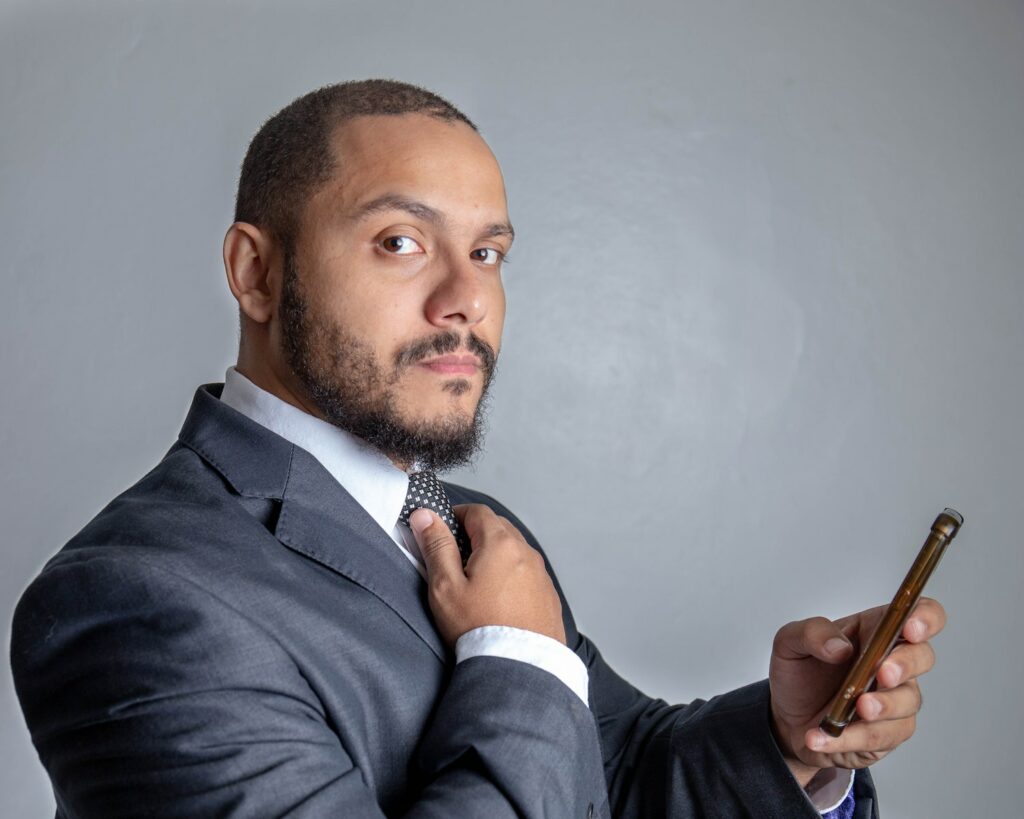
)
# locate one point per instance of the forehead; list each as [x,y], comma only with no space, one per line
[446,164]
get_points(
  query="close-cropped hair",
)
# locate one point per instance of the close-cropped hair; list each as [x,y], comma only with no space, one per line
[290,156]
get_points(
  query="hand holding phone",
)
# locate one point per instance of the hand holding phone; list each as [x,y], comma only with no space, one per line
[862,675]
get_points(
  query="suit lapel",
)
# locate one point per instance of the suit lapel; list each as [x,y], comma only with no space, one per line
[322,521]
[318,518]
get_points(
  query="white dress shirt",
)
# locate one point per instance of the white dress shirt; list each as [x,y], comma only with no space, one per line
[380,488]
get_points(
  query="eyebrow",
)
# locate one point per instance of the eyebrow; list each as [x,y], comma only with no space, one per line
[393,201]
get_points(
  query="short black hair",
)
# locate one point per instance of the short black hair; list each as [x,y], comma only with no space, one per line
[290,156]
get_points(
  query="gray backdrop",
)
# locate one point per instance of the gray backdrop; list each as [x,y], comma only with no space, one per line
[764,307]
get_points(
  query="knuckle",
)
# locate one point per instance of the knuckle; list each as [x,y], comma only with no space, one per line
[916,659]
[906,730]
[878,738]
[469,517]
[782,635]
[522,562]
[933,609]
[478,511]
[893,670]
[810,630]
[440,585]
[483,512]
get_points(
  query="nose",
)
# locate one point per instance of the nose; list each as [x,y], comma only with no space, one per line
[460,297]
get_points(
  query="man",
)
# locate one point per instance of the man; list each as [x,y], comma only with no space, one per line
[272,622]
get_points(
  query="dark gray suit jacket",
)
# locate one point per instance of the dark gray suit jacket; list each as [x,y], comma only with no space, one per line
[235,636]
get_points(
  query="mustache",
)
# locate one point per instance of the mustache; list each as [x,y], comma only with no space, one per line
[447,342]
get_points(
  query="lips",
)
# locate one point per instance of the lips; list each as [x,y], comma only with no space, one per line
[453,364]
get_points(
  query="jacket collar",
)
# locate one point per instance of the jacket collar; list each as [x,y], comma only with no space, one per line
[318,518]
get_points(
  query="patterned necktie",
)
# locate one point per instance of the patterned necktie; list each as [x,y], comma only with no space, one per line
[426,492]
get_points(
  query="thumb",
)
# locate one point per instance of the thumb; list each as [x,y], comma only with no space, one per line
[817,637]
[437,545]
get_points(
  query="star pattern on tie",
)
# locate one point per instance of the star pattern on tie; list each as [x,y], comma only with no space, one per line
[426,492]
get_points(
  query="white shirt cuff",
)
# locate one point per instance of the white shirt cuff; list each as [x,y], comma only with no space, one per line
[828,788]
[528,647]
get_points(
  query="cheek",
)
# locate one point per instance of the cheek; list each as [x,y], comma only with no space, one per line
[496,317]
[388,320]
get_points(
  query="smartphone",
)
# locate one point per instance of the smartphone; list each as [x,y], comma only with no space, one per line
[862,674]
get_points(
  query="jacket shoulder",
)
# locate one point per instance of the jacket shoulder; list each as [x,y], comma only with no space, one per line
[162,508]
[177,517]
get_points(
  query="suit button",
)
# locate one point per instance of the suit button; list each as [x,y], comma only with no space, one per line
[590,811]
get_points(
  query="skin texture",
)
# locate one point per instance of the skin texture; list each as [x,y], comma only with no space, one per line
[391,278]
[388,281]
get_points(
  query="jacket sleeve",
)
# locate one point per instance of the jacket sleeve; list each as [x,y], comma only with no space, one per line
[708,758]
[144,694]
[714,758]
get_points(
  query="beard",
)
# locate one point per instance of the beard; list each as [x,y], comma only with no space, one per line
[357,393]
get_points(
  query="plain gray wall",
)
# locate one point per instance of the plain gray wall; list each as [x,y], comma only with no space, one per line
[764,307]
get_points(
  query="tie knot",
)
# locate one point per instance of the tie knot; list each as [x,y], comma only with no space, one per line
[426,492]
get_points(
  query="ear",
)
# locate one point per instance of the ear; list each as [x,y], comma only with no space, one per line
[248,255]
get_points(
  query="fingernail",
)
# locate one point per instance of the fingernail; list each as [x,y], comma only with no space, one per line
[818,740]
[836,646]
[419,520]
[872,708]
[915,630]
[894,672]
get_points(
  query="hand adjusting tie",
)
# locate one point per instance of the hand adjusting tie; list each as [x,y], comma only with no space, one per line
[426,492]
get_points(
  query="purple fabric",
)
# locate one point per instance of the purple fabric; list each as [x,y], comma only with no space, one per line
[845,809]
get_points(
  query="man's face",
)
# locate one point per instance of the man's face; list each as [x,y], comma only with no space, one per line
[392,303]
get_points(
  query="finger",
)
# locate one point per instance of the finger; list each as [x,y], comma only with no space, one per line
[897,703]
[905,662]
[816,637]
[474,518]
[853,623]
[863,737]
[926,620]
[437,547]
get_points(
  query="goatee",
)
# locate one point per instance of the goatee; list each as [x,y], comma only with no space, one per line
[347,383]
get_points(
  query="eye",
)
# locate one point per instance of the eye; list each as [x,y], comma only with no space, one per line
[401,245]
[488,256]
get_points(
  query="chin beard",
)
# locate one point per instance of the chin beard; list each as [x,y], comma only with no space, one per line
[346,382]
[437,445]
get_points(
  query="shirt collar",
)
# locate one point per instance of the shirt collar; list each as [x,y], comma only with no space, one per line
[368,476]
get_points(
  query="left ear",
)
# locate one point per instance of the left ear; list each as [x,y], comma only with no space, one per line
[248,255]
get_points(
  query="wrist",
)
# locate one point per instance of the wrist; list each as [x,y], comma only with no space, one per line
[801,771]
